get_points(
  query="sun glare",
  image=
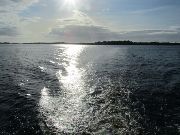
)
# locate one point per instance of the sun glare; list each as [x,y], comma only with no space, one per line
[68,4]
[71,3]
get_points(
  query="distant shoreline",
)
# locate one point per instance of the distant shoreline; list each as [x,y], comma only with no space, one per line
[104,43]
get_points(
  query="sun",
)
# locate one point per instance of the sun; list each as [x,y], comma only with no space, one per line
[68,4]
[71,3]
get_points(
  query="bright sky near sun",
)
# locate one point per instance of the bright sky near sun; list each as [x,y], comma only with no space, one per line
[89,20]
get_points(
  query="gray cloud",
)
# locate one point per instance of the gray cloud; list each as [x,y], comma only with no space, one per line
[2,11]
[153,35]
[11,6]
[81,28]
[8,31]
[7,3]
[78,28]
[10,22]
[78,33]
[144,11]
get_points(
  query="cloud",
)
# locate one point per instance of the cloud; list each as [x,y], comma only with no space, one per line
[11,22]
[78,18]
[9,9]
[2,11]
[15,5]
[30,20]
[81,28]
[169,35]
[78,33]
[8,31]
[144,11]
[7,2]
[19,21]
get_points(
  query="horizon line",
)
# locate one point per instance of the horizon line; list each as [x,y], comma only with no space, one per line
[96,42]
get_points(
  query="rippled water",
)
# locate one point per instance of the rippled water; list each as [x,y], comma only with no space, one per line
[98,90]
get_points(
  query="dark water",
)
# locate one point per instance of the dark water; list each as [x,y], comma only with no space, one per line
[98,90]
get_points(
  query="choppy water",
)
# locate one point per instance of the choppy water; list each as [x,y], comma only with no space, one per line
[98,90]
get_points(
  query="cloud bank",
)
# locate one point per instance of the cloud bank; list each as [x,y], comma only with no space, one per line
[37,20]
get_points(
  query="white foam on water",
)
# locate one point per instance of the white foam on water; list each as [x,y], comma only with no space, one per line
[42,68]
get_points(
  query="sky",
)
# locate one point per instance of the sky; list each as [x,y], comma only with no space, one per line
[89,20]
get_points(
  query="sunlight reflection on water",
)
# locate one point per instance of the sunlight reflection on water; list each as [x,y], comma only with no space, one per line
[63,112]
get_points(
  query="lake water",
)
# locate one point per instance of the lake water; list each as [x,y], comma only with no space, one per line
[98,90]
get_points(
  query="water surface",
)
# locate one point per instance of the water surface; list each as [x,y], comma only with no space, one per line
[73,89]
